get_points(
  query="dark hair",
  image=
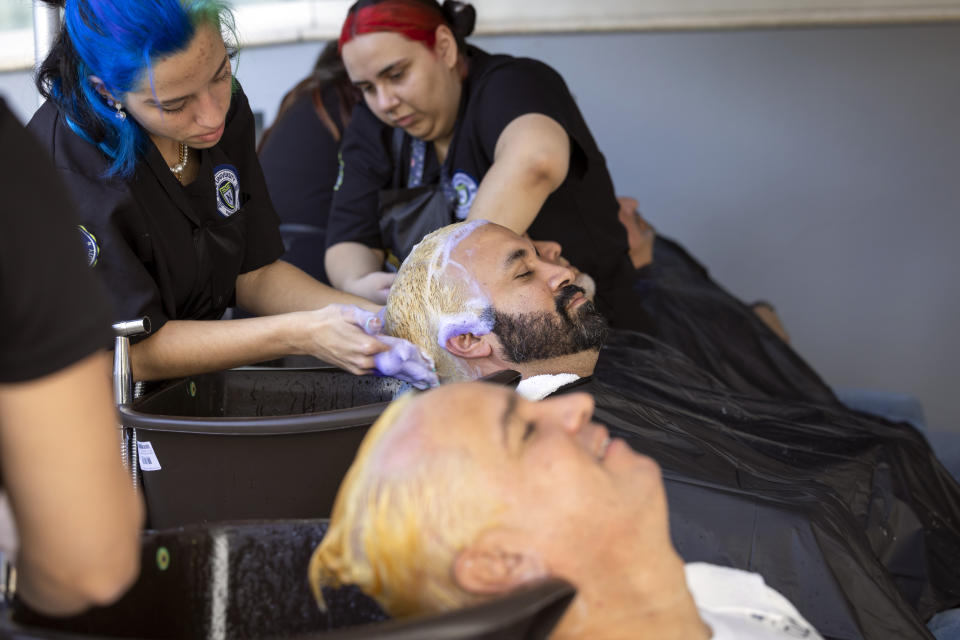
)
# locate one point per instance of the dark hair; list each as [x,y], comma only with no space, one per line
[459,16]
[116,41]
[328,70]
[462,18]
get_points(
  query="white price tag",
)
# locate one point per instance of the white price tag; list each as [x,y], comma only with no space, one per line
[148,459]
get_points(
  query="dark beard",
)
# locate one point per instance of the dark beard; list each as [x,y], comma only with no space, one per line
[527,337]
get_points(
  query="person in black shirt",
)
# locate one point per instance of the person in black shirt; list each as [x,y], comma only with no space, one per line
[77,517]
[447,132]
[300,153]
[155,140]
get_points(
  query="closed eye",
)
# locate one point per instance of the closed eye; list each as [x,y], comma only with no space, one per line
[525,274]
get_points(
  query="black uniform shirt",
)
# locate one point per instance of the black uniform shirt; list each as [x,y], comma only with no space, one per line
[299,161]
[581,214]
[54,311]
[164,250]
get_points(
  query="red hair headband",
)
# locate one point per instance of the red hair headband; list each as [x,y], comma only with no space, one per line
[411,19]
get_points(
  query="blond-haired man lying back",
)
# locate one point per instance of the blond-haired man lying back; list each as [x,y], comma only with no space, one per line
[478,298]
[445,507]
[462,271]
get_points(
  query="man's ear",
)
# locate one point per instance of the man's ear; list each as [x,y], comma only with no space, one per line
[468,346]
[498,561]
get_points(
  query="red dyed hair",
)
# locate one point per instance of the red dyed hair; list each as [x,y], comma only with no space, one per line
[411,19]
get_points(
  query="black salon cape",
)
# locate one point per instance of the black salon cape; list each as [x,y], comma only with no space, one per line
[849,516]
[299,160]
[164,250]
[691,312]
[581,214]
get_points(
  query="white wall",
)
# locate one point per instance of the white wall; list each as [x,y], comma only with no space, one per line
[817,168]
[17,89]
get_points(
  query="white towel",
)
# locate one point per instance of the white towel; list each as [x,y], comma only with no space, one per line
[539,387]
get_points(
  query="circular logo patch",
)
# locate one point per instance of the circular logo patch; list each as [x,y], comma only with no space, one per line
[466,189]
[228,189]
[89,245]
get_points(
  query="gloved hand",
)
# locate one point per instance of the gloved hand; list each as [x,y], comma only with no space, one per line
[403,360]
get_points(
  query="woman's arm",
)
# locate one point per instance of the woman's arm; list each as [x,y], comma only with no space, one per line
[299,315]
[354,257]
[280,287]
[78,516]
[355,268]
[531,160]
[187,347]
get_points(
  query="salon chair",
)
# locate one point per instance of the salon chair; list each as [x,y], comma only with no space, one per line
[249,580]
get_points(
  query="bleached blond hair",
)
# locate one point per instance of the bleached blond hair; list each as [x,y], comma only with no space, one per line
[433,295]
[397,525]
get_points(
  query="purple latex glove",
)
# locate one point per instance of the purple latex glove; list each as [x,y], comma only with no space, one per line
[406,362]
[403,360]
[370,322]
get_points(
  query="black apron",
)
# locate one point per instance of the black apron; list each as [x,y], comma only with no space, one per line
[409,213]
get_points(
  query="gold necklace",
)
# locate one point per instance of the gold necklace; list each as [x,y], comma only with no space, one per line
[183,159]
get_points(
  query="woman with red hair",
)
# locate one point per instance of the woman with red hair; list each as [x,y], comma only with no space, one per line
[449,132]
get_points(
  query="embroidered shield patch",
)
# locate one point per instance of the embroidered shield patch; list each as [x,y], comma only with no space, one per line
[465,188]
[228,189]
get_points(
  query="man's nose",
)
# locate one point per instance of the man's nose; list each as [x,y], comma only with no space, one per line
[558,275]
[570,411]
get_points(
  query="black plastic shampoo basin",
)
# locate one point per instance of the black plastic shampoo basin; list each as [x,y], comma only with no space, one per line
[251,443]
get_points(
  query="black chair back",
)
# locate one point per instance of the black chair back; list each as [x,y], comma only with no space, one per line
[243,580]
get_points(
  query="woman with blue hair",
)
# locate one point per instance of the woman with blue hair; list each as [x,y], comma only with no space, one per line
[155,139]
